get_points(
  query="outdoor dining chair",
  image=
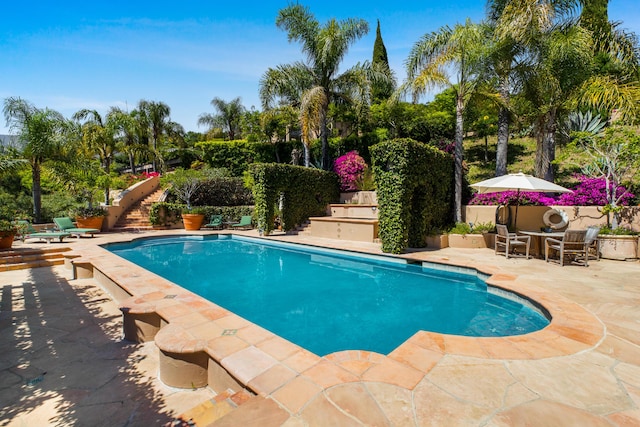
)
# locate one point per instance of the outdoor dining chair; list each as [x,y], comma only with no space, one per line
[573,244]
[510,241]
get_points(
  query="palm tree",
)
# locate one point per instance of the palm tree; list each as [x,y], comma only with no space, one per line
[127,132]
[98,138]
[154,116]
[40,133]
[228,117]
[312,85]
[462,50]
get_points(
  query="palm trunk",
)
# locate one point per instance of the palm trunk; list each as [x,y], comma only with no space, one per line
[132,164]
[458,156]
[324,135]
[546,147]
[307,155]
[503,131]
[36,192]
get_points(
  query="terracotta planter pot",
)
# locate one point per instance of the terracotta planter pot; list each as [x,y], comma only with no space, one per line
[6,242]
[192,221]
[91,222]
[618,247]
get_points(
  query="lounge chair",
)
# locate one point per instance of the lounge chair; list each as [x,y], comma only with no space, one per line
[66,224]
[510,241]
[27,231]
[214,222]
[572,244]
[245,222]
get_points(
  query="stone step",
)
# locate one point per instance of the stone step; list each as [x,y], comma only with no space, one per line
[31,264]
[209,412]
[30,258]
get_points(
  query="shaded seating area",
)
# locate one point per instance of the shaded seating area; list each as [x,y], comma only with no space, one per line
[574,245]
[27,231]
[215,222]
[245,222]
[65,224]
[506,242]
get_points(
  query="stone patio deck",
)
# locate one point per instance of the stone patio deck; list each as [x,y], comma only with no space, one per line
[574,376]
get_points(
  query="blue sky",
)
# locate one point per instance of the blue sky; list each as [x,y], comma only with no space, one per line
[72,55]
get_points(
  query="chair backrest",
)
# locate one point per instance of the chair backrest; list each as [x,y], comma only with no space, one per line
[592,234]
[245,220]
[502,230]
[64,223]
[216,220]
[574,236]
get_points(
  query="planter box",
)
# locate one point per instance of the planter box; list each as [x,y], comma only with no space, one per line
[471,241]
[619,247]
[438,242]
[91,222]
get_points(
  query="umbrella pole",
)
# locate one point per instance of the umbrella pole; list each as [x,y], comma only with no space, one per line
[515,220]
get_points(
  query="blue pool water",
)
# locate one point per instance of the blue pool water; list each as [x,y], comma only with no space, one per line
[326,300]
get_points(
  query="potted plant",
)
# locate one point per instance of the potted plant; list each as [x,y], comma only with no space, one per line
[184,183]
[7,232]
[471,235]
[619,243]
[89,216]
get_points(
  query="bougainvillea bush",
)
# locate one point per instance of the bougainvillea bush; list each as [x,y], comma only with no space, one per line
[349,167]
[592,192]
[588,192]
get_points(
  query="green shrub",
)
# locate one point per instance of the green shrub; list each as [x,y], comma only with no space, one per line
[413,184]
[222,191]
[460,228]
[303,192]
[165,214]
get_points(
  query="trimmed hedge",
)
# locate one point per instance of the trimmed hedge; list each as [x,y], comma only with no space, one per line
[236,156]
[222,192]
[413,185]
[164,214]
[305,192]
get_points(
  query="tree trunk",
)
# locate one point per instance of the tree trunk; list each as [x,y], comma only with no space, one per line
[324,136]
[503,131]
[36,192]
[132,164]
[307,155]
[458,156]
[546,147]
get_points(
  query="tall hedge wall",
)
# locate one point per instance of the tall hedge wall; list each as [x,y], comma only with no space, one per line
[236,156]
[413,184]
[305,193]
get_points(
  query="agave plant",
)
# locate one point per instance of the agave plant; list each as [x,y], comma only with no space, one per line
[587,122]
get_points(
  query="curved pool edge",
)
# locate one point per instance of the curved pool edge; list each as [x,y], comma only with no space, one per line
[265,363]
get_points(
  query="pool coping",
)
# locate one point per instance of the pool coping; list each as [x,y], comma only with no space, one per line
[242,354]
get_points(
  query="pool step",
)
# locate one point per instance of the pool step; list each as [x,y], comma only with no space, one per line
[20,259]
[212,410]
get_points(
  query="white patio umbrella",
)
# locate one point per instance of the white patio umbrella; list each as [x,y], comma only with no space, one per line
[516,182]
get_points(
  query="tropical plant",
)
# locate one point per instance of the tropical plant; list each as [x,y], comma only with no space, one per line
[184,184]
[88,212]
[228,116]
[577,121]
[616,158]
[313,85]
[462,50]
[40,136]
[7,228]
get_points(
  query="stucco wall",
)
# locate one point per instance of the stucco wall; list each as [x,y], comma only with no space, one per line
[530,217]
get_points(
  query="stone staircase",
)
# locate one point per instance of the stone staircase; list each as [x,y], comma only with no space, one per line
[355,222]
[24,258]
[207,413]
[136,218]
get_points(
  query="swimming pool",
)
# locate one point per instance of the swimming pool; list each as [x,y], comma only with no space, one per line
[328,300]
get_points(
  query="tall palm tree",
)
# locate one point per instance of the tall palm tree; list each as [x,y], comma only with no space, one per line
[41,136]
[228,116]
[312,85]
[127,131]
[462,50]
[155,115]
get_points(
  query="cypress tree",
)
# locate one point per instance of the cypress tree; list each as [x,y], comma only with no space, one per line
[381,90]
[595,18]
